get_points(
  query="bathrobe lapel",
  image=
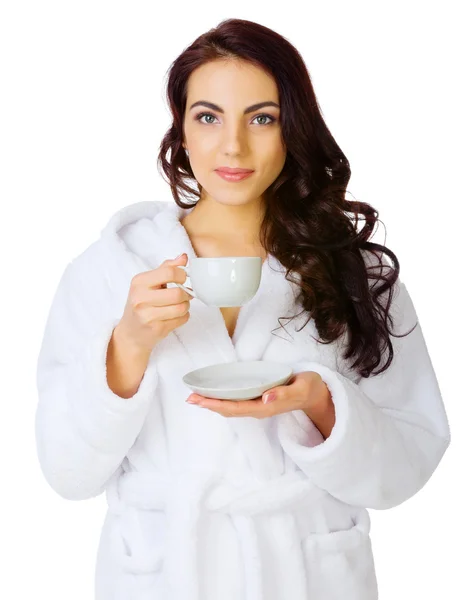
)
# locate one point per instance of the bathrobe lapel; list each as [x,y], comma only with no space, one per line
[204,336]
[141,236]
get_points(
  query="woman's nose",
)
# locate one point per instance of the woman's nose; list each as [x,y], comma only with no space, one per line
[233,141]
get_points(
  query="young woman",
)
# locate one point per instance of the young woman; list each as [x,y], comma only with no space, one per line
[256,499]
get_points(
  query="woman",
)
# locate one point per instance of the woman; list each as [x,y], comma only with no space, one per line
[263,498]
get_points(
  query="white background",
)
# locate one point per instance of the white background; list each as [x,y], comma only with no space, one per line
[82,115]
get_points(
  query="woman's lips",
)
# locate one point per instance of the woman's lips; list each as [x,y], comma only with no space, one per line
[234,176]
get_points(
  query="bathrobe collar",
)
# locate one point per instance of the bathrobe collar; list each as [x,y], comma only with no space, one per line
[142,235]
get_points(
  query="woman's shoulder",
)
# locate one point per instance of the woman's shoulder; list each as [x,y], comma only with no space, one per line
[103,270]
[112,244]
[379,267]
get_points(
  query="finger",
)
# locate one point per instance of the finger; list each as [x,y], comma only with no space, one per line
[167,272]
[209,403]
[273,395]
[234,408]
[282,393]
[165,297]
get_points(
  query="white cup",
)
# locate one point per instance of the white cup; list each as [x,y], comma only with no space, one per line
[223,281]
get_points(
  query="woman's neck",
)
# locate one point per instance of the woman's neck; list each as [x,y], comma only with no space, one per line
[213,234]
[221,222]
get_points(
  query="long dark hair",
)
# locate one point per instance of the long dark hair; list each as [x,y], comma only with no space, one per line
[308,224]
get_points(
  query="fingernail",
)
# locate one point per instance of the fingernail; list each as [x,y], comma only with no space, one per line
[192,400]
[179,256]
[269,397]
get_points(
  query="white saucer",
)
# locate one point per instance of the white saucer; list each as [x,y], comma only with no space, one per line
[242,380]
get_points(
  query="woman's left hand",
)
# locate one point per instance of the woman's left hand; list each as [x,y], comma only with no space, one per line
[304,391]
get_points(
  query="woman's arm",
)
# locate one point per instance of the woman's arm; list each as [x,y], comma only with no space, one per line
[390,430]
[322,413]
[83,429]
[125,365]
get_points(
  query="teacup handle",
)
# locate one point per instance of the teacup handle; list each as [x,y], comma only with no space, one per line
[187,290]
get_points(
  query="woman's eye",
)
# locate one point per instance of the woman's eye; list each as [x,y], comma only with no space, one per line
[265,117]
[201,115]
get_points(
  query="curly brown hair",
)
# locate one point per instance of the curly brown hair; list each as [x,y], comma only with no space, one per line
[308,224]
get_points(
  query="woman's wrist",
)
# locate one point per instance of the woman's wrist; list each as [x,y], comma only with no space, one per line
[126,364]
[321,410]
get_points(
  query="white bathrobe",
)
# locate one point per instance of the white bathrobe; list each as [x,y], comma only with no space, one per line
[204,507]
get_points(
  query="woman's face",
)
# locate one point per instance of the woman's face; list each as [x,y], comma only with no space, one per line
[233,137]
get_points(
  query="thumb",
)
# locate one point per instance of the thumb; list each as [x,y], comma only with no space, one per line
[180,258]
[272,395]
[280,392]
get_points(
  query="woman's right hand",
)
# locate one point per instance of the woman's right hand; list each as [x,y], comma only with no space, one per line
[152,310]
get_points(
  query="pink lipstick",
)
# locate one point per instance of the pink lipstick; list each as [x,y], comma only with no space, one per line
[232,174]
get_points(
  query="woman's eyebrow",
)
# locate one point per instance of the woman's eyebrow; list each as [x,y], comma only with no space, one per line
[247,110]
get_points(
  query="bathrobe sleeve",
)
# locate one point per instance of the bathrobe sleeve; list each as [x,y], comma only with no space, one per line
[391,429]
[83,430]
